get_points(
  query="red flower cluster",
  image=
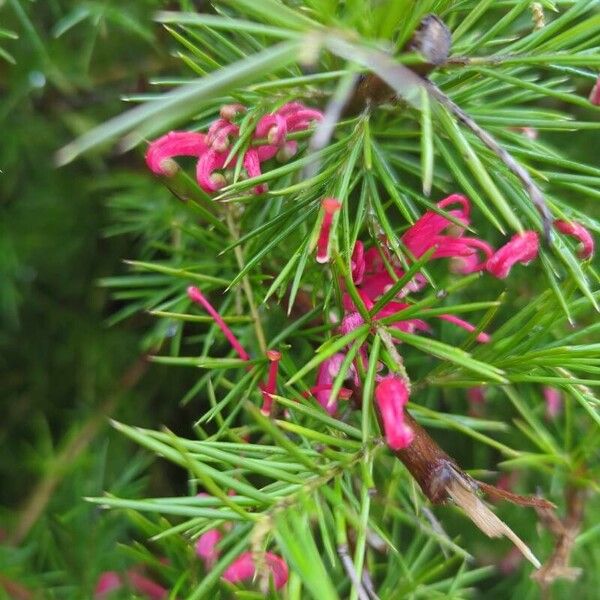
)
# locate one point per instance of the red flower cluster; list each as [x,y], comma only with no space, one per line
[212,149]
[375,271]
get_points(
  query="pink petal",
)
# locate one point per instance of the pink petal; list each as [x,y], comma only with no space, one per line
[146,586]
[107,582]
[219,133]
[252,166]
[230,111]
[206,547]
[594,96]
[330,207]
[578,231]
[472,263]
[553,398]
[424,234]
[358,262]
[176,143]
[350,322]
[391,395]
[209,162]
[242,569]
[476,398]
[271,386]
[273,127]
[522,248]
[326,375]
[406,325]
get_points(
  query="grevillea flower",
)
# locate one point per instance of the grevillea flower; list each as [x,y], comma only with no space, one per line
[594,96]
[328,371]
[553,398]
[206,547]
[212,149]
[243,568]
[522,248]
[161,152]
[476,398]
[391,395]
[145,586]
[330,207]
[578,231]
[108,582]
[271,386]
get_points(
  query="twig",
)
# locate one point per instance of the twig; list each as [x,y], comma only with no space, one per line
[565,531]
[351,572]
[441,480]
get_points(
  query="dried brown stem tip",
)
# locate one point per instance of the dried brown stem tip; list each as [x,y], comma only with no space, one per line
[565,531]
[441,480]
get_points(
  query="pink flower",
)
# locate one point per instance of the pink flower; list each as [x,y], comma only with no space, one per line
[330,207]
[358,264]
[553,398]
[206,547]
[271,386]
[472,263]
[476,398]
[578,231]
[176,143]
[195,295]
[145,586]
[230,111]
[350,322]
[243,568]
[212,149]
[522,248]
[108,582]
[208,163]
[595,93]
[391,395]
[328,371]
[252,166]
[219,134]
[273,127]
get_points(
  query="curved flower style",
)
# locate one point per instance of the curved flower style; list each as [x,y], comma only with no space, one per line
[391,395]
[578,231]
[161,152]
[212,149]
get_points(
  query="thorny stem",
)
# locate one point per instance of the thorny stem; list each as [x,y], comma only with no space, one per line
[239,257]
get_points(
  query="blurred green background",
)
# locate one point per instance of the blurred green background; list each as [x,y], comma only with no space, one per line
[64,66]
